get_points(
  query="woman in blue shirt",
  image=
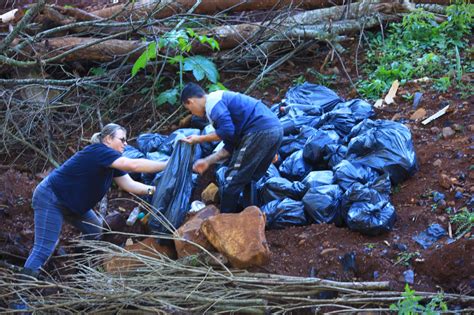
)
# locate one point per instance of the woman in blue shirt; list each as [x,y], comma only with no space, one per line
[71,191]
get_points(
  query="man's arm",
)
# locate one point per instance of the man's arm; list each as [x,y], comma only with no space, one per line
[204,138]
[138,165]
[219,156]
[201,165]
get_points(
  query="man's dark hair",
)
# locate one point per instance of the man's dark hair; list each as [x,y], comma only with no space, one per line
[191,90]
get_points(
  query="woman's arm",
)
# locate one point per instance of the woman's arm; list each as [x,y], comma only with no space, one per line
[126,183]
[138,165]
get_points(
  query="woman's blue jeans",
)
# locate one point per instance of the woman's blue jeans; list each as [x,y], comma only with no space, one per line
[49,217]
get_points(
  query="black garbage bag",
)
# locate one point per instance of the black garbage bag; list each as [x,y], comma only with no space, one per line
[150,142]
[342,119]
[334,154]
[292,143]
[346,174]
[383,145]
[320,97]
[295,167]
[371,219]
[429,236]
[282,213]
[318,178]
[360,109]
[279,188]
[147,178]
[220,176]
[372,193]
[295,119]
[308,110]
[208,147]
[173,190]
[133,153]
[314,148]
[271,172]
[322,203]
[198,122]
[170,141]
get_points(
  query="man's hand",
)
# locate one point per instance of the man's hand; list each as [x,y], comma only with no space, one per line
[192,139]
[200,166]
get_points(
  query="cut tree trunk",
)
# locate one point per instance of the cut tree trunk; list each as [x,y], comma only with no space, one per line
[168,8]
[322,24]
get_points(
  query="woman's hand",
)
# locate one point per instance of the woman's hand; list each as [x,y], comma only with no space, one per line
[200,166]
[192,139]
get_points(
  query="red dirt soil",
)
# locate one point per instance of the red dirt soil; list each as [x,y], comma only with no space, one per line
[298,250]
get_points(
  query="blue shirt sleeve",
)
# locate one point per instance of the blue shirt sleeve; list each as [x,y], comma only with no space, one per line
[223,125]
[107,156]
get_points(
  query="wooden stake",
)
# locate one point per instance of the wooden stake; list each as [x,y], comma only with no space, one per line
[435,116]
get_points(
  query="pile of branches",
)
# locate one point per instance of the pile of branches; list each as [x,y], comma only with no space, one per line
[65,72]
[167,286]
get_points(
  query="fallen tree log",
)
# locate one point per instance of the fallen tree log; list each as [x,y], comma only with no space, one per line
[315,24]
[168,8]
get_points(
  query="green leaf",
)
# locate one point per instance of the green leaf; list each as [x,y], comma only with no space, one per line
[175,59]
[216,87]
[201,68]
[169,96]
[148,54]
[191,32]
[97,71]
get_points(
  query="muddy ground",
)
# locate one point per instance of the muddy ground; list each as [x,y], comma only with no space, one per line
[318,250]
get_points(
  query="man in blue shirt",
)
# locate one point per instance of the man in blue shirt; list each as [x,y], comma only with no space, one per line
[251,134]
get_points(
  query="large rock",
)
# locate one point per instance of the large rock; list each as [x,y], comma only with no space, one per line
[191,231]
[240,237]
[148,247]
[210,194]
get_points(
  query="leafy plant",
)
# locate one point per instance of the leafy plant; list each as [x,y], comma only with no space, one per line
[405,258]
[320,78]
[410,304]
[299,80]
[442,84]
[464,221]
[180,41]
[419,46]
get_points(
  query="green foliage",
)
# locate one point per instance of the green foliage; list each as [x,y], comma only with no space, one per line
[418,47]
[201,68]
[320,78]
[442,84]
[464,221]
[299,80]
[216,87]
[169,96]
[410,305]
[180,41]
[147,55]
[405,258]
[97,71]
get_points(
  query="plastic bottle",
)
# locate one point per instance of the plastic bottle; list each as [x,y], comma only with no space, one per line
[132,218]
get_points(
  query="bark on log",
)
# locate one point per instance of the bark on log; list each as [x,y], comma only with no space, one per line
[78,14]
[320,24]
[170,7]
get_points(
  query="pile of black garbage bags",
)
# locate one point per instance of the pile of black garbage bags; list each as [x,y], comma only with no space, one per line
[336,164]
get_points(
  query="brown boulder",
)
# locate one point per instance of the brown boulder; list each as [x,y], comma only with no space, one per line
[191,231]
[419,114]
[210,194]
[240,237]
[148,247]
